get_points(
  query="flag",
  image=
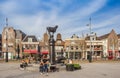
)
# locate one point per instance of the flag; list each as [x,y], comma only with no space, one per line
[88,25]
[6,21]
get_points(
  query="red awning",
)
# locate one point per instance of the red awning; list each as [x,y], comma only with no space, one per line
[44,52]
[112,51]
[31,51]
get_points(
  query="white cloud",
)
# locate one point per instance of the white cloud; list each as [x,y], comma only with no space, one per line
[106,25]
[37,22]
[8,7]
[110,21]
[88,9]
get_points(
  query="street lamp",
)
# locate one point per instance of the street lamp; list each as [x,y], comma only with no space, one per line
[90,54]
[51,31]
[61,52]
[23,52]
[6,33]
[18,50]
[39,55]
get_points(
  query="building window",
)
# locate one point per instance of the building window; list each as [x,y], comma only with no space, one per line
[67,48]
[29,39]
[17,40]
[24,46]
[32,46]
[76,47]
[91,38]
[27,46]
[98,53]
[71,47]
[111,47]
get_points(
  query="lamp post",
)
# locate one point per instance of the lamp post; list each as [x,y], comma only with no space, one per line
[39,55]
[6,59]
[23,52]
[18,50]
[51,31]
[90,53]
[61,52]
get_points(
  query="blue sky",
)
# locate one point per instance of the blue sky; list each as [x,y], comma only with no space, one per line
[72,16]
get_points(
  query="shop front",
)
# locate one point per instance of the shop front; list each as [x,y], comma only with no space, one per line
[9,55]
[73,55]
[112,54]
[30,53]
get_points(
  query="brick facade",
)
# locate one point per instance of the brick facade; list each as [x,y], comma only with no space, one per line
[0,45]
[59,46]
[74,47]
[11,38]
[8,41]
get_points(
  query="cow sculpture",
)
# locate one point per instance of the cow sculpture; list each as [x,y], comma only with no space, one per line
[52,29]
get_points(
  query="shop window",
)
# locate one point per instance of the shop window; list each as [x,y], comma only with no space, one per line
[27,46]
[77,55]
[88,47]
[71,55]
[98,53]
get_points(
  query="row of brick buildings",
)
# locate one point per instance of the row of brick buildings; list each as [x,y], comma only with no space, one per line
[17,42]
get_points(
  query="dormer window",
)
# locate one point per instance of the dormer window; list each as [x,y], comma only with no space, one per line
[29,39]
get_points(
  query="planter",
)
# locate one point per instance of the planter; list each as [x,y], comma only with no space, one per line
[69,67]
[77,66]
[72,67]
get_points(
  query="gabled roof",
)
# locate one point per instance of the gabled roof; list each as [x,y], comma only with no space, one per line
[103,36]
[106,35]
[118,35]
[18,34]
[34,39]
